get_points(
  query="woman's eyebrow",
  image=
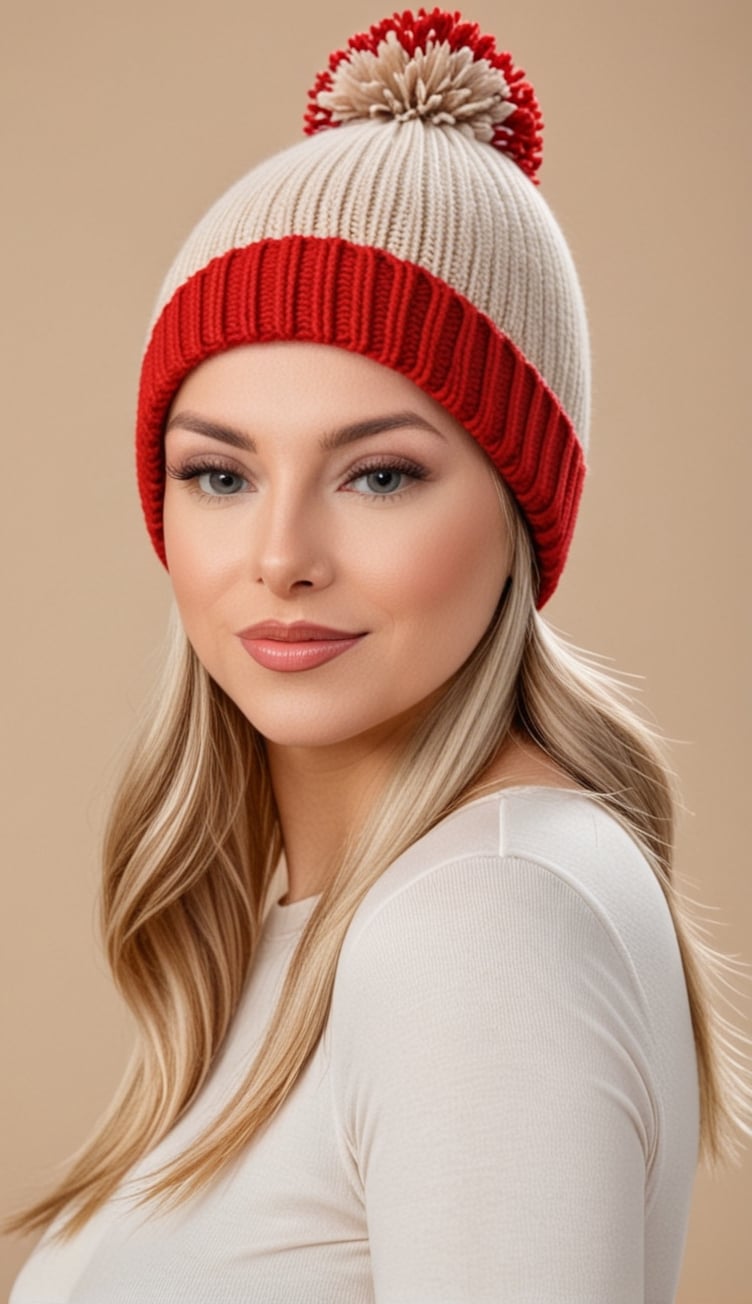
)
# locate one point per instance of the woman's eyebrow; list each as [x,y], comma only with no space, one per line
[201,426]
[335,439]
[376,426]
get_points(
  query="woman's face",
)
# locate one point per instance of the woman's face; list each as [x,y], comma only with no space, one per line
[310,484]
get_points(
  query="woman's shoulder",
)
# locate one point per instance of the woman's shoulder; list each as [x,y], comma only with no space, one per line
[527,890]
[531,905]
[560,841]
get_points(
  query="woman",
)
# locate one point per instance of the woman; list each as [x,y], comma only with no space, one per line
[387,884]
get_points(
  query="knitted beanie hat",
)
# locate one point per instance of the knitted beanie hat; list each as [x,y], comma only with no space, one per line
[406,226]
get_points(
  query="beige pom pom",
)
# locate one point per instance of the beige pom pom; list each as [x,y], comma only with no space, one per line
[438,84]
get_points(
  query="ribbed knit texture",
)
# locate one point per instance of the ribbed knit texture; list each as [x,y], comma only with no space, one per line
[429,198]
[393,312]
[503,1105]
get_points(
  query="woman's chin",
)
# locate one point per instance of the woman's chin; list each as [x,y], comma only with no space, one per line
[335,727]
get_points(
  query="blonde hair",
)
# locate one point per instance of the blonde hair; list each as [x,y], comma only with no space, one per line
[192,845]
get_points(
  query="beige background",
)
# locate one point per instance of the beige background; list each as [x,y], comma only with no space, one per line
[123,122]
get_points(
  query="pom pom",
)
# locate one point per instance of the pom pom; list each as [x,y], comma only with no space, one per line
[436,67]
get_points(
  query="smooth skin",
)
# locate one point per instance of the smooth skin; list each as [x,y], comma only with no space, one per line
[398,532]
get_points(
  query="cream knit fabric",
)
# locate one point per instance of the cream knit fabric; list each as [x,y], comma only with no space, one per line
[432,196]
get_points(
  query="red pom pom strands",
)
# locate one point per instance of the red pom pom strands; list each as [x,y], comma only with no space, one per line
[437,67]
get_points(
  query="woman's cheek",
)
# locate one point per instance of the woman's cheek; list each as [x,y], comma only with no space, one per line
[442,567]
[202,559]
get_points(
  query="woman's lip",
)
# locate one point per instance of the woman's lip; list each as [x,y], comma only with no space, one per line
[299,631]
[282,654]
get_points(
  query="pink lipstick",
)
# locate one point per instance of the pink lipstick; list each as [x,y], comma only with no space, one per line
[297,646]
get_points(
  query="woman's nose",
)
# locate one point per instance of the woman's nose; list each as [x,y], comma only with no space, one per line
[292,544]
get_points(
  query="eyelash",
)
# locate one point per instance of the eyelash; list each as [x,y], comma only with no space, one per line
[194,470]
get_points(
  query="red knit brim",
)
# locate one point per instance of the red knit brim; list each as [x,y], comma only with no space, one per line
[328,291]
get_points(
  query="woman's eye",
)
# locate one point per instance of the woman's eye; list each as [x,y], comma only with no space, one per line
[382,481]
[386,481]
[220,483]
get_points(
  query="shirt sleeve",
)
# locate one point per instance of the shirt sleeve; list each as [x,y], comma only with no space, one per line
[491,1071]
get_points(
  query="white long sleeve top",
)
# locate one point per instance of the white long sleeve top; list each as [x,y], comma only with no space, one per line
[503,1106]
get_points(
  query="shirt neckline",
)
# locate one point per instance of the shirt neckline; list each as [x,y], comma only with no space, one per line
[283,921]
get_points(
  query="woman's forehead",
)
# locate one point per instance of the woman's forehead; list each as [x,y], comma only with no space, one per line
[315,384]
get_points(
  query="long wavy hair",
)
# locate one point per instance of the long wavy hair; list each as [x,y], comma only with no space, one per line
[191,848]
